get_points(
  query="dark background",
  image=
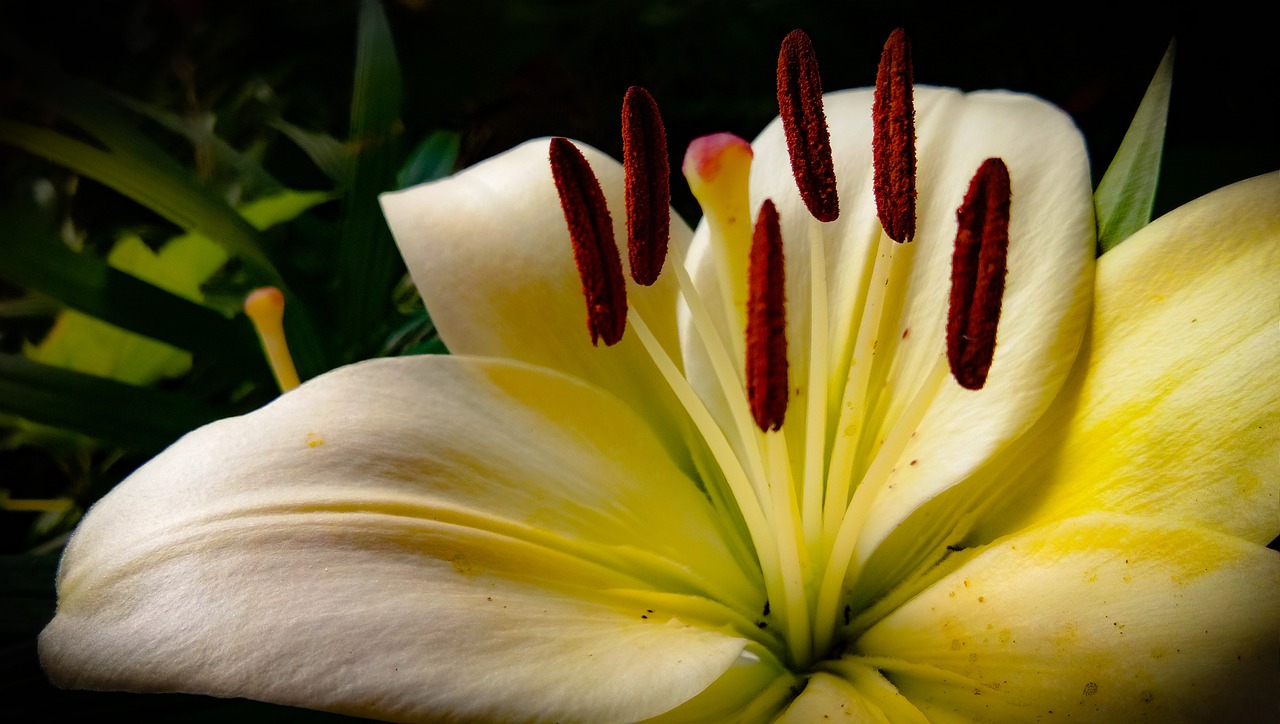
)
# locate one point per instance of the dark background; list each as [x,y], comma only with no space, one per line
[504,71]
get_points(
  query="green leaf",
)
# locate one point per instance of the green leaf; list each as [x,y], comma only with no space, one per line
[173,195]
[141,418]
[367,257]
[181,266]
[84,344]
[433,159]
[1126,195]
[32,257]
[138,168]
[330,155]
[377,95]
[199,131]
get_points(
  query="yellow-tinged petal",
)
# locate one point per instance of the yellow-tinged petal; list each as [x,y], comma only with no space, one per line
[1101,618]
[409,539]
[1174,408]
[489,250]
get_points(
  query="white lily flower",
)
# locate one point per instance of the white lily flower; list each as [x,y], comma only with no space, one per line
[538,528]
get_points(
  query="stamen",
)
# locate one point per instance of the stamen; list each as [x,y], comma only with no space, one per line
[594,249]
[265,308]
[803,120]
[767,383]
[894,140]
[648,182]
[977,274]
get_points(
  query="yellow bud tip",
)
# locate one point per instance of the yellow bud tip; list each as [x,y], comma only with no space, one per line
[265,309]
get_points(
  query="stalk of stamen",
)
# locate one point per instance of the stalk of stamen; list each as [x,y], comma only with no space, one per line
[792,554]
[648,185]
[894,140]
[978,269]
[816,407]
[880,397]
[735,476]
[805,125]
[594,250]
[852,416]
[766,371]
[726,373]
[760,527]
[265,308]
[853,518]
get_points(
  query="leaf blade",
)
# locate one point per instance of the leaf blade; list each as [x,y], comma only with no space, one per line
[1126,194]
[140,418]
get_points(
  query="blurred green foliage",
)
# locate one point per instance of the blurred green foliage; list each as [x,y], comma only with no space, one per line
[160,158]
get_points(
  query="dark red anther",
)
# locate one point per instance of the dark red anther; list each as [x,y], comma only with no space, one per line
[808,142]
[977,274]
[594,249]
[894,140]
[648,178]
[767,323]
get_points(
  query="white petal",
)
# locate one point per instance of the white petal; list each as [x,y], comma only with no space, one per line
[489,250]
[1103,617]
[408,539]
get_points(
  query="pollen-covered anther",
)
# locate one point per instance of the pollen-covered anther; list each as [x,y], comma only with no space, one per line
[594,250]
[978,269]
[805,125]
[894,140]
[648,185]
[767,385]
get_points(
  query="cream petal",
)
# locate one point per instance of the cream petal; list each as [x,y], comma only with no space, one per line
[1102,617]
[408,539]
[1046,302]
[1172,410]
[489,250]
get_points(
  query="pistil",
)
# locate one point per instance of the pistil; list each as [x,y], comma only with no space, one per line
[648,185]
[894,140]
[594,250]
[978,268]
[805,125]
[718,169]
